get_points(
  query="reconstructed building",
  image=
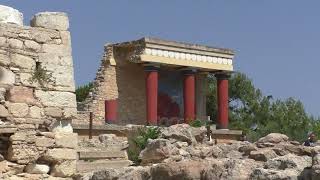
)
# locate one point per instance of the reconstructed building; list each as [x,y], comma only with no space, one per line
[159,82]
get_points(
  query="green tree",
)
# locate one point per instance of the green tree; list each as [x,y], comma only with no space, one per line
[250,108]
[82,92]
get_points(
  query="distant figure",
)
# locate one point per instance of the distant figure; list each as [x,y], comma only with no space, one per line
[311,140]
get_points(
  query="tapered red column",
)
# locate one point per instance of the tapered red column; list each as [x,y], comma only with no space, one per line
[189,96]
[152,94]
[111,108]
[223,101]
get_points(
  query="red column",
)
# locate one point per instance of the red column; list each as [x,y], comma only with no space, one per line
[223,101]
[152,94]
[111,107]
[189,96]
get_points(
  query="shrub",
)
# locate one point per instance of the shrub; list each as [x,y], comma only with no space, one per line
[140,141]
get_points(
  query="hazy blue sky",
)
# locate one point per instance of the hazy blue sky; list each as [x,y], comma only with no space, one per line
[276,42]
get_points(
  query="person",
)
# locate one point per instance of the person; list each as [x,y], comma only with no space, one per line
[311,140]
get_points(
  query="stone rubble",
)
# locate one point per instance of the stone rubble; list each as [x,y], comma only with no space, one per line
[171,157]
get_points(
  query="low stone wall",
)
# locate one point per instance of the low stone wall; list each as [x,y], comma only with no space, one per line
[37,99]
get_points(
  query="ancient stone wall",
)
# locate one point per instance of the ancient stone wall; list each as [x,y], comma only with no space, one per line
[117,78]
[37,99]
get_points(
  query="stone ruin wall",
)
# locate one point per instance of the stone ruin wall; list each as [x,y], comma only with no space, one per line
[117,78]
[36,113]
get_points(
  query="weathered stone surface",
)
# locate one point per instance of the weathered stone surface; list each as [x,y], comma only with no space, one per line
[23,153]
[37,168]
[31,45]
[262,154]
[56,99]
[273,138]
[15,43]
[44,142]
[66,140]
[69,113]
[20,94]
[18,109]
[51,20]
[246,149]
[23,62]
[180,132]
[53,111]
[289,161]
[35,112]
[7,77]
[60,154]
[157,150]
[4,59]
[3,111]
[10,15]
[64,169]
[3,42]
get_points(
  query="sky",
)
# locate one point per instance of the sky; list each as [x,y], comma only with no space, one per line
[276,42]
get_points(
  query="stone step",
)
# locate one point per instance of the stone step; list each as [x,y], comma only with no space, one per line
[102,154]
[86,166]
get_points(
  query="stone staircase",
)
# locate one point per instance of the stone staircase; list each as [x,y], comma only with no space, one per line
[110,153]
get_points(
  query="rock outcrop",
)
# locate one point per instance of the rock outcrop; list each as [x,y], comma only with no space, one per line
[178,154]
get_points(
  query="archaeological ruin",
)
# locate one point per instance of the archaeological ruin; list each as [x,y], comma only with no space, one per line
[148,85]
[158,82]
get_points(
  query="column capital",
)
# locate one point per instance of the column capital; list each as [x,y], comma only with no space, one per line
[222,76]
[152,67]
[189,71]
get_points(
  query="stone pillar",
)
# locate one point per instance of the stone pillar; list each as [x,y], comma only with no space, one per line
[152,94]
[223,101]
[10,15]
[111,111]
[189,95]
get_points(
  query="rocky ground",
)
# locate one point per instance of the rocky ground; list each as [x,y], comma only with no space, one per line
[183,152]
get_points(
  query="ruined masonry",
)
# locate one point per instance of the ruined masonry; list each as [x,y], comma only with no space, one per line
[37,99]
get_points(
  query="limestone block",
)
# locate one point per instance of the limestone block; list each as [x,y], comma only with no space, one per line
[7,77]
[53,61]
[37,168]
[70,113]
[18,109]
[35,112]
[23,153]
[61,49]
[65,37]
[26,126]
[66,140]
[4,59]
[53,111]
[3,42]
[10,15]
[23,62]
[25,80]
[32,45]
[19,136]
[20,94]
[15,43]
[62,127]
[56,99]
[44,142]
[64,169]
[3,111]
[51,20]
[60,155]
[40,36]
